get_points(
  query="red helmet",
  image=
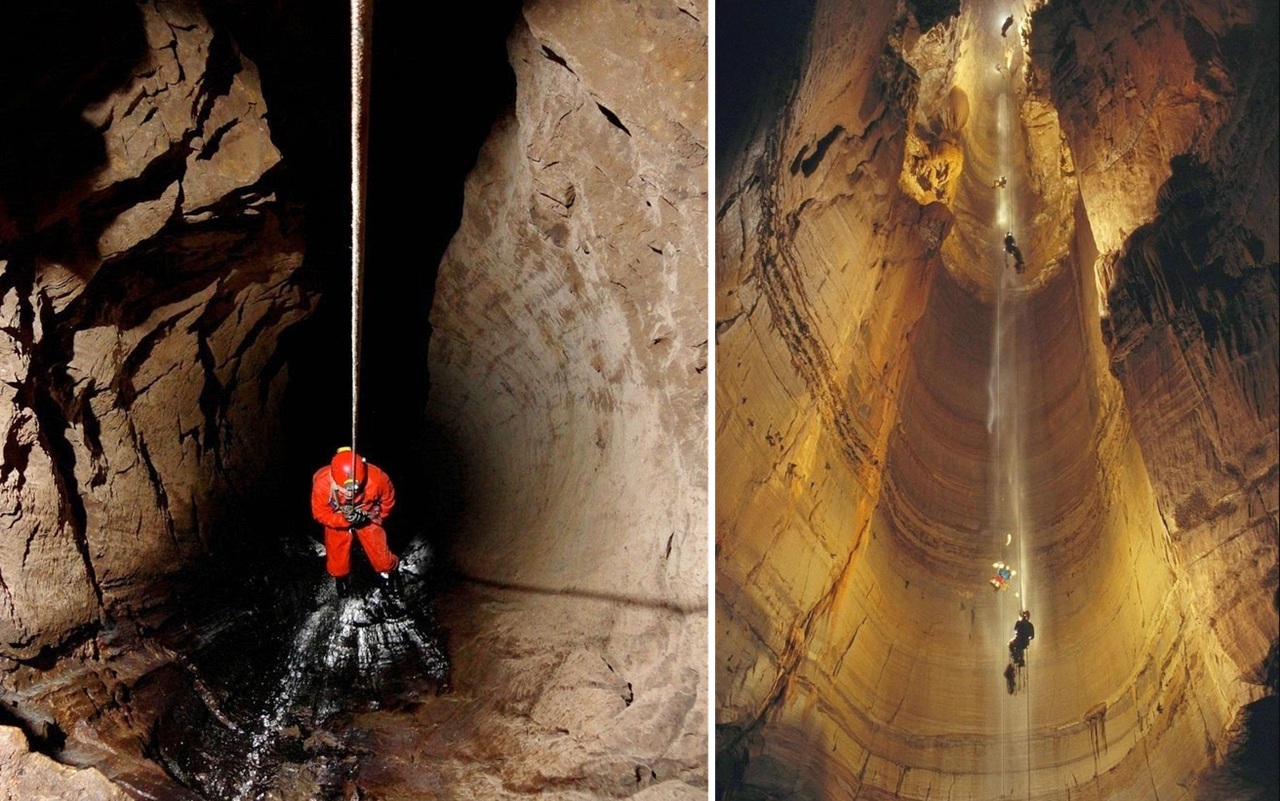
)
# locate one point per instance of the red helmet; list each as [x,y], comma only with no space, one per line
[348,470]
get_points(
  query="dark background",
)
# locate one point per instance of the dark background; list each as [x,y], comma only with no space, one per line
[758,56]
[436,89]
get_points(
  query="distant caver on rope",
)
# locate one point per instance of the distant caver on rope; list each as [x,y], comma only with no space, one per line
[1023,633]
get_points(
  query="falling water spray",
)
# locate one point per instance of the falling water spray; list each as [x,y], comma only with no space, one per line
[1007,399]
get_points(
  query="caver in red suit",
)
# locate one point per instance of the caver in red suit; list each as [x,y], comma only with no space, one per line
[350,495]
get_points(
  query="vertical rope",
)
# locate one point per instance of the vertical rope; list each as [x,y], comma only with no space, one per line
[360,34]
[1027,693]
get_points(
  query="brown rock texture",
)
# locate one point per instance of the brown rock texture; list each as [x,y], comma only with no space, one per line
[1192,292]
[894,405]
[1126,115]
[548,710]
[26,776]
[568,359]
[142,290]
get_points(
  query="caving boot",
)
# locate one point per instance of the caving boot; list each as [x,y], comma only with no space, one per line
[392,589]
[343,586]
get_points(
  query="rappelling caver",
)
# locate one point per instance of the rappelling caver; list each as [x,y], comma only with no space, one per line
[351,496]
[1023,633]
[1003,575]
[1011,247]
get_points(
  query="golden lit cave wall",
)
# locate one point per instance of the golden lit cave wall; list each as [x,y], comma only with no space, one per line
[803,329]
[900,655]
[798,581]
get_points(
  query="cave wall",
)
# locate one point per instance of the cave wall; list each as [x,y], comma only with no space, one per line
[145,268]
[568,328]
[1172,117]
[823,270]
[36,776]
[569,349]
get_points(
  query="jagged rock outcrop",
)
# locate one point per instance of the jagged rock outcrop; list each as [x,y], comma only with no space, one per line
[1126,115]
[892,415]
[144,281]
[568,359]
[25,776]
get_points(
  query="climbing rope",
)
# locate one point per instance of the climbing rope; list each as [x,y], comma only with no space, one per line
[360,30]
[1012,435]
[1027,693]
[1003,422]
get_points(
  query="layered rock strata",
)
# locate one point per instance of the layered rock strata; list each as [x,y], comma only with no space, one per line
[1190,293]
[568,360]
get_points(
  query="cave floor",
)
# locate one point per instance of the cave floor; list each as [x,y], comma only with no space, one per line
[335,710]
[524,718]
[294,694]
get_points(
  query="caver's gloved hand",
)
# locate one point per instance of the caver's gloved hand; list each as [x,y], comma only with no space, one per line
[356,516]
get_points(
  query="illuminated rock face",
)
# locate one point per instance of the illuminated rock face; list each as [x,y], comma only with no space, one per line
[568,357]
[142,299]
[143,287]
[896,409]
[568,343]
[27,775]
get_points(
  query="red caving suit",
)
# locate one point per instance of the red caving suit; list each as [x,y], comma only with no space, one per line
[377,497]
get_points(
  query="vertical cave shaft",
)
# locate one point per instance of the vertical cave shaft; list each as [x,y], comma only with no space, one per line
[894,404]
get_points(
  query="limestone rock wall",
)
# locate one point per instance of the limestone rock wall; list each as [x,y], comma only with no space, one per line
[144,281]
[823,270]
[1135,88]
[569,347]
[1189,271]
[569,338]
[24,775]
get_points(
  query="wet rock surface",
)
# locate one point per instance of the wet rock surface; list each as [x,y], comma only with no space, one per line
[458,690]
[271,715]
